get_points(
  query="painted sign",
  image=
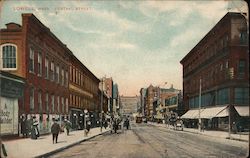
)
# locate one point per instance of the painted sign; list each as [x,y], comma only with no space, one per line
[8,116]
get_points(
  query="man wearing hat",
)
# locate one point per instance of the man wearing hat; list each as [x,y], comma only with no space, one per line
[55,129]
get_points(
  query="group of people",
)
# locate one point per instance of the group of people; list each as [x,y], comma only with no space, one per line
[115,123]
[29,127]
[56,129]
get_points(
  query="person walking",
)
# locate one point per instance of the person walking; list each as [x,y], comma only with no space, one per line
[34,128]
[24,127]
[88,127]
[67,126]
[127,123]
[55,129]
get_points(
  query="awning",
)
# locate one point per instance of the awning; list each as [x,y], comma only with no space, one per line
[242,110]
[220,111]
[191,114]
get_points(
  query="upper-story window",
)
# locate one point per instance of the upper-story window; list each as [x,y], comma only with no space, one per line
[241,68]
[57,73]
[66,78]
[52,71]
[31,60]
[39,65]
[62,77]
[9,56]
[46,68]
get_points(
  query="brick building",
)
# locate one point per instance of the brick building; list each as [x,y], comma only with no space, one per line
[83,87]
[34,53]
[219,64]
[155,98]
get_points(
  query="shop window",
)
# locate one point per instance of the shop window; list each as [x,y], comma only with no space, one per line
[32,105]
[8,57]
[241,96]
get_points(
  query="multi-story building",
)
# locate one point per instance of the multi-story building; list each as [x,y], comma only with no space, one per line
[83,87]
[116,106]
[129,105]
[33,52]
[108,88]
[155,100]
[216,74]
[143,92]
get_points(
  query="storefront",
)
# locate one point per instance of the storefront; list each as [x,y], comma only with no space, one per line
[11,90]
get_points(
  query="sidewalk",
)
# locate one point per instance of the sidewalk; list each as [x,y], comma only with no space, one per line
[43,146]
[219,134]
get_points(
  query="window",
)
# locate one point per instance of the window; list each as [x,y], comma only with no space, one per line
[66,78]
[226,64]
[243,37]
[58,104]
[62,104]
[46,68]
[62,77]
[47,102]
[241,68]
[67,105]
[52,71]
[8,55]
[32,99]
[40,101]
[57,74]
[31,60]
[222,96]
[53,103]
[39,65]
[241,96]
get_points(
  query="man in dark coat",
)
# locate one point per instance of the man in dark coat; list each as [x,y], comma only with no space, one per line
[55,129]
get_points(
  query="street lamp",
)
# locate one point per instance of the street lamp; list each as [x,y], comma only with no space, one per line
[85,117]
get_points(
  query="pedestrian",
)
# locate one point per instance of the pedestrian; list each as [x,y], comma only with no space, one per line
[105,124]
[88,126]
[115,125]
[55,129]
[34,128]
[127,123]
[24,126]
[67,126]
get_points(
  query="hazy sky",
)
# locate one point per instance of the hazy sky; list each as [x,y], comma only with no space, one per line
[137,43]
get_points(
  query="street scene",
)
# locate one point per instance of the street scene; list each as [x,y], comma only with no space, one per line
[124,79]
[142,141]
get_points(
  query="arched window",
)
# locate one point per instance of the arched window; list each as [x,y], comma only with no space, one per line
[9,56]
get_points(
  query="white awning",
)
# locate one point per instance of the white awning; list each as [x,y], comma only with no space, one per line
[242,110]
[220,111]
[191,114]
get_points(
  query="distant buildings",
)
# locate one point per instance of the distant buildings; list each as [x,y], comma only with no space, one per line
[129,104]
[154,102]
[219,65]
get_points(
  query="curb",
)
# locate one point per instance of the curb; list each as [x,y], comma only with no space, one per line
[236,139]
[68,146]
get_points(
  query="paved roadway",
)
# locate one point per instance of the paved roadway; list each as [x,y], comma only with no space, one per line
[148,141]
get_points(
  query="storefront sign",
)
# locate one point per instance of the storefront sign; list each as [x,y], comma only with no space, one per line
[8,116]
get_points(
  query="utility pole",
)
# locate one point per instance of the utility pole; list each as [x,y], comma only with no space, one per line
[200,107]
[101,104]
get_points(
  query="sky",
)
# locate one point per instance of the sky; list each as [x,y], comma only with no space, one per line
[137,43]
